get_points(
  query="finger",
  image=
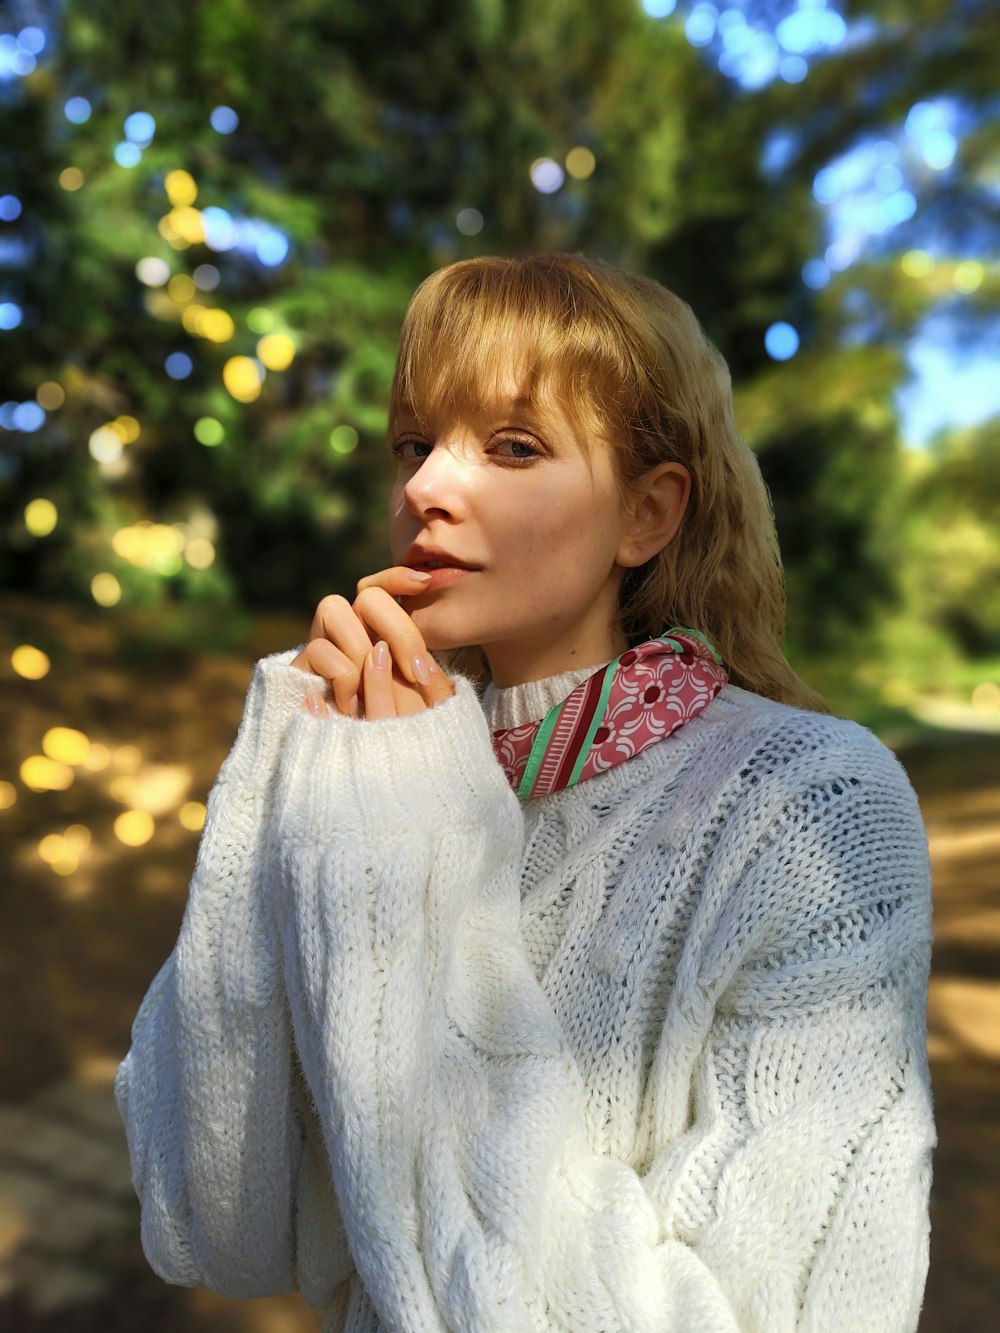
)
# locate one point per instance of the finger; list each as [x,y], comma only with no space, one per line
[335,620]
[384,618]
[397,580]
[316,705]
[323,659]
[380,700]
[439,688]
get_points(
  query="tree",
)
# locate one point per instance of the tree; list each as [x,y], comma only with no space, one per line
[364,132]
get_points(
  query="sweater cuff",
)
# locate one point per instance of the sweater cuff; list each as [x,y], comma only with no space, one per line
[355,776]
[277,692]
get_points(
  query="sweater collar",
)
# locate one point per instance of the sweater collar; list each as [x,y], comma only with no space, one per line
[511,706]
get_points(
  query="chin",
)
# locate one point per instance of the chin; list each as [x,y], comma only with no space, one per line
[438,635]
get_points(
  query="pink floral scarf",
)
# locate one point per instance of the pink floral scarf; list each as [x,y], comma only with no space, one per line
[633,702]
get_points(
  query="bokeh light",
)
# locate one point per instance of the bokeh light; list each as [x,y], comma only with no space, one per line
[10,207]
[28,417]
[580,163]
[126,758]
[968,276]
[140,128]
[105,589]
[78,836]
[105,445]
[183,226]
[659,9]
[149,545]
[60,855]
[11,315]
[815,274]
[200,553]
[917,264]
[178,365]
[153,271]
[469,221]
[31,39]
[700,26]
[546,175]
[50,395]
[29,662]
[781,341]
[40,517]
[272,248]
[181,188]
[192,814]
[223,119]
[127,154]
[276,351]
[986,697]
[209,431]
[221,232]
[67,745]
[134,828]
[77,110]
[343,439]
[181,287]
[98,759]
[243,378]
[8,795]
[260,319]
[206,277]
[40,773]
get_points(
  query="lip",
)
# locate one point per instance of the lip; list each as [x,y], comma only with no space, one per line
[419,557]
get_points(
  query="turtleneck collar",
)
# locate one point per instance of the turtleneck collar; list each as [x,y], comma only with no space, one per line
[514,704]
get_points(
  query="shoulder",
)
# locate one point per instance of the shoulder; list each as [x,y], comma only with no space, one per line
[786,748]
[825,837]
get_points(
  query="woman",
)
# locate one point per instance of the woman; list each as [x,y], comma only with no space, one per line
[593,1004]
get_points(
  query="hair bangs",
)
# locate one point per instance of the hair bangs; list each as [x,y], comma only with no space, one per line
[491,333]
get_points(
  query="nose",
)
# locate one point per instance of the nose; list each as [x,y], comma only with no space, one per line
[438,488]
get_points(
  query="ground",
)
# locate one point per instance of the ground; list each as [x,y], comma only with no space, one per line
[80,948]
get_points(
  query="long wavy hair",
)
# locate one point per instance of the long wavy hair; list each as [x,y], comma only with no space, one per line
[631,366]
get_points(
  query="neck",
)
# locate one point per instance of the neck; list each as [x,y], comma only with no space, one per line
[523,662]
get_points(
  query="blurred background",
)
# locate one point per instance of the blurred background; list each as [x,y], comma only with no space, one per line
[212,215]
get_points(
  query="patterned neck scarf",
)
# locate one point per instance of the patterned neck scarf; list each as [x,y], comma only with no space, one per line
[634,701]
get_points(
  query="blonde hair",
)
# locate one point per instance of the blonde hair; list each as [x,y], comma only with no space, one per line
[629,362]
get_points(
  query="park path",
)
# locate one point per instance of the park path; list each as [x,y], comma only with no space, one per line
[80,950]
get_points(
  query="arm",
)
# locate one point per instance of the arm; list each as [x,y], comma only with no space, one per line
[223,1144]
[454,1112]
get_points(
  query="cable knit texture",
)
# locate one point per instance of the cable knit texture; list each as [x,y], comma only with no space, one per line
[645,1054]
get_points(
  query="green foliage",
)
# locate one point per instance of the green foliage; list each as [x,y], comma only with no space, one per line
[364,129]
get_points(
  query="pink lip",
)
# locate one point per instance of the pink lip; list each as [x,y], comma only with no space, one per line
[444,577]
[419,557]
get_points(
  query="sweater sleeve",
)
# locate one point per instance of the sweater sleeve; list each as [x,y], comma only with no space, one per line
[454,1111]
[222,1134]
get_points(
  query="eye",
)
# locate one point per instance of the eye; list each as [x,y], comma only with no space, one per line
[515,449]
[408,450]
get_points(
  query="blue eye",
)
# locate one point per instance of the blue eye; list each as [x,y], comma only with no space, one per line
[403,449]
[522,451]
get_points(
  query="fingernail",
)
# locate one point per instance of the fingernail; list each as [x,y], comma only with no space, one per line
[352,706]
[421,669]
[419,574]
[315,704]
[380,655]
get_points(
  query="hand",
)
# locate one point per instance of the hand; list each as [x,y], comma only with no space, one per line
[371,651]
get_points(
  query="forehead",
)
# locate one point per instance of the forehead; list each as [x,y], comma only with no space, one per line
[504,389]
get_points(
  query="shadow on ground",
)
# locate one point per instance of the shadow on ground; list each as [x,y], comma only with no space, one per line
[80,949]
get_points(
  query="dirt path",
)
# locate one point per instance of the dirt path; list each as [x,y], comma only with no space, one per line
[80,949]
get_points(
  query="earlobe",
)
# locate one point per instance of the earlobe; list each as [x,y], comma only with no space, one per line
[658,505]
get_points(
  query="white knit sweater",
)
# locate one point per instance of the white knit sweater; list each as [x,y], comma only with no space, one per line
[645,1054]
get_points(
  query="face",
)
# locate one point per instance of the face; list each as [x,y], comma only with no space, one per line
[535,524]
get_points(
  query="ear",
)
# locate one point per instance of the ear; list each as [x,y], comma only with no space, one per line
[657,505]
